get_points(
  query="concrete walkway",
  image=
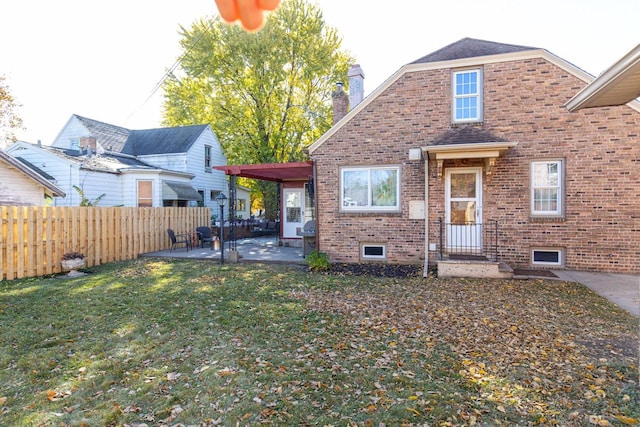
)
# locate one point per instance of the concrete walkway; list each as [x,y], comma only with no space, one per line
[621,289]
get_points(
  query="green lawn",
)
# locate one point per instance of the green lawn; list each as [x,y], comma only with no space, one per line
[178,342]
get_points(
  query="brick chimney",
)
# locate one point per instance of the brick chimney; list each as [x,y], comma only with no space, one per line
[356,85]
[340,103]
[88,144]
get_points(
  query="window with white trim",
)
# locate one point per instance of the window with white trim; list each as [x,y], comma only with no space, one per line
[547,257]
[547,188]
[467,96]
[370,251]
[370,188]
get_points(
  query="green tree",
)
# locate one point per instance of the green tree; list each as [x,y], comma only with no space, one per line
[9,120]
[267,94]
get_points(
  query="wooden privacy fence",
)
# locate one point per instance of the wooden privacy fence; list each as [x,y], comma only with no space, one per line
[34,238]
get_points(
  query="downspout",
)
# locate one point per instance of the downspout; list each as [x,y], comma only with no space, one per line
[425,273]
[316,211]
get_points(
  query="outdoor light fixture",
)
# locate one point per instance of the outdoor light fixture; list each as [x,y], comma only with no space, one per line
[222,200]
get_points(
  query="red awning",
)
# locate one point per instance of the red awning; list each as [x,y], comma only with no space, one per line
[293,171]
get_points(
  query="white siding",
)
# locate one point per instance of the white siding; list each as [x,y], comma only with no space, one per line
[93,184]
[243,193]
[130,187]
[207,180]
[17,189]
[74,129]
[175,161]
[192,162]
[64,172]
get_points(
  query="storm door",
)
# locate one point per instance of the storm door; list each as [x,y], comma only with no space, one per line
[463,194]
[293,212]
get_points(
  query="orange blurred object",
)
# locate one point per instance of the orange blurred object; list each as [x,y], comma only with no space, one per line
[268,4]
[228,9]
[249,12]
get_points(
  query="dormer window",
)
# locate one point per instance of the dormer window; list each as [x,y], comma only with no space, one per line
[467,96]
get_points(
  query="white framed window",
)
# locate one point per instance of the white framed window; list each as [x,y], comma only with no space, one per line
[372,251]
[547,188]
[467,96]
[547,256]
[370,188]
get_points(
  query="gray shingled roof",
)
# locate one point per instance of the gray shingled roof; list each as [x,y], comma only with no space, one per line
[106,162]
[465,135]
[469,48]
[36,169]
[162,140]
[110,137]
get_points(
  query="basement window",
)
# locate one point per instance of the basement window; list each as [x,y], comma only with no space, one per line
[377,252]
[547,257]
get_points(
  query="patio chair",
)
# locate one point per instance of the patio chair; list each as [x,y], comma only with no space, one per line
[204,236]
[179,239]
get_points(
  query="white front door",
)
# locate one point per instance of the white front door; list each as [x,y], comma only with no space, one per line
[293,212]
[463,191]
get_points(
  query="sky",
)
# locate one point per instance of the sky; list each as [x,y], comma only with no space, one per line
[102,60]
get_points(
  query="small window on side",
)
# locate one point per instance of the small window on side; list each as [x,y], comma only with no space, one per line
[377,252]
[552,257]
[207,158]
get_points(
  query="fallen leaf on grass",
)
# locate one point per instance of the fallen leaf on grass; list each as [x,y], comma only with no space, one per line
[53,395]
[598,420]
[626,420]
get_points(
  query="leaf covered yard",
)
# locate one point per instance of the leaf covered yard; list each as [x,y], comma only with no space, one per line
[161,342]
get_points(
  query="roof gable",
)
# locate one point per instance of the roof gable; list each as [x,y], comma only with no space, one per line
[110,137]
[478,52]
[470,48]
[163,140]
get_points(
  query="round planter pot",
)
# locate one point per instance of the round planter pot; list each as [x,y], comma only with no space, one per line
[72,266]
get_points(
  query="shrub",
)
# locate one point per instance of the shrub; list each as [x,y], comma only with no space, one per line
[318,261]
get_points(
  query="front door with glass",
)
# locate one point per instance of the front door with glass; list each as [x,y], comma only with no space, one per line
[464,210]
[293,212]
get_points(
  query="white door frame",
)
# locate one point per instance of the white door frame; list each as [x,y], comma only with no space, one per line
[290,228]
[464,237]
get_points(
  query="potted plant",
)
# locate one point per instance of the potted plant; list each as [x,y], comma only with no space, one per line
[72,261]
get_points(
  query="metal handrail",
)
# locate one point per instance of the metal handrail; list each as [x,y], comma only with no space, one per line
[469,239]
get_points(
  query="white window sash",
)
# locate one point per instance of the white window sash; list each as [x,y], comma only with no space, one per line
[477,95]
[369,193]
[559,188]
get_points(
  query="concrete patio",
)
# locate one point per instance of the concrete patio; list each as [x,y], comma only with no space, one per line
[259,249]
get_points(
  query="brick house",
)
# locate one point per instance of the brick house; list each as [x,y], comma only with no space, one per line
[470,152]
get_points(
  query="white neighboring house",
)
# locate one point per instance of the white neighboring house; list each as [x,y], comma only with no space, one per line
[153,167]
[124,180]
[243,202]
[23,185]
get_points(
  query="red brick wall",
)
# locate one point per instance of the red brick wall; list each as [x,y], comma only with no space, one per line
[523,102]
